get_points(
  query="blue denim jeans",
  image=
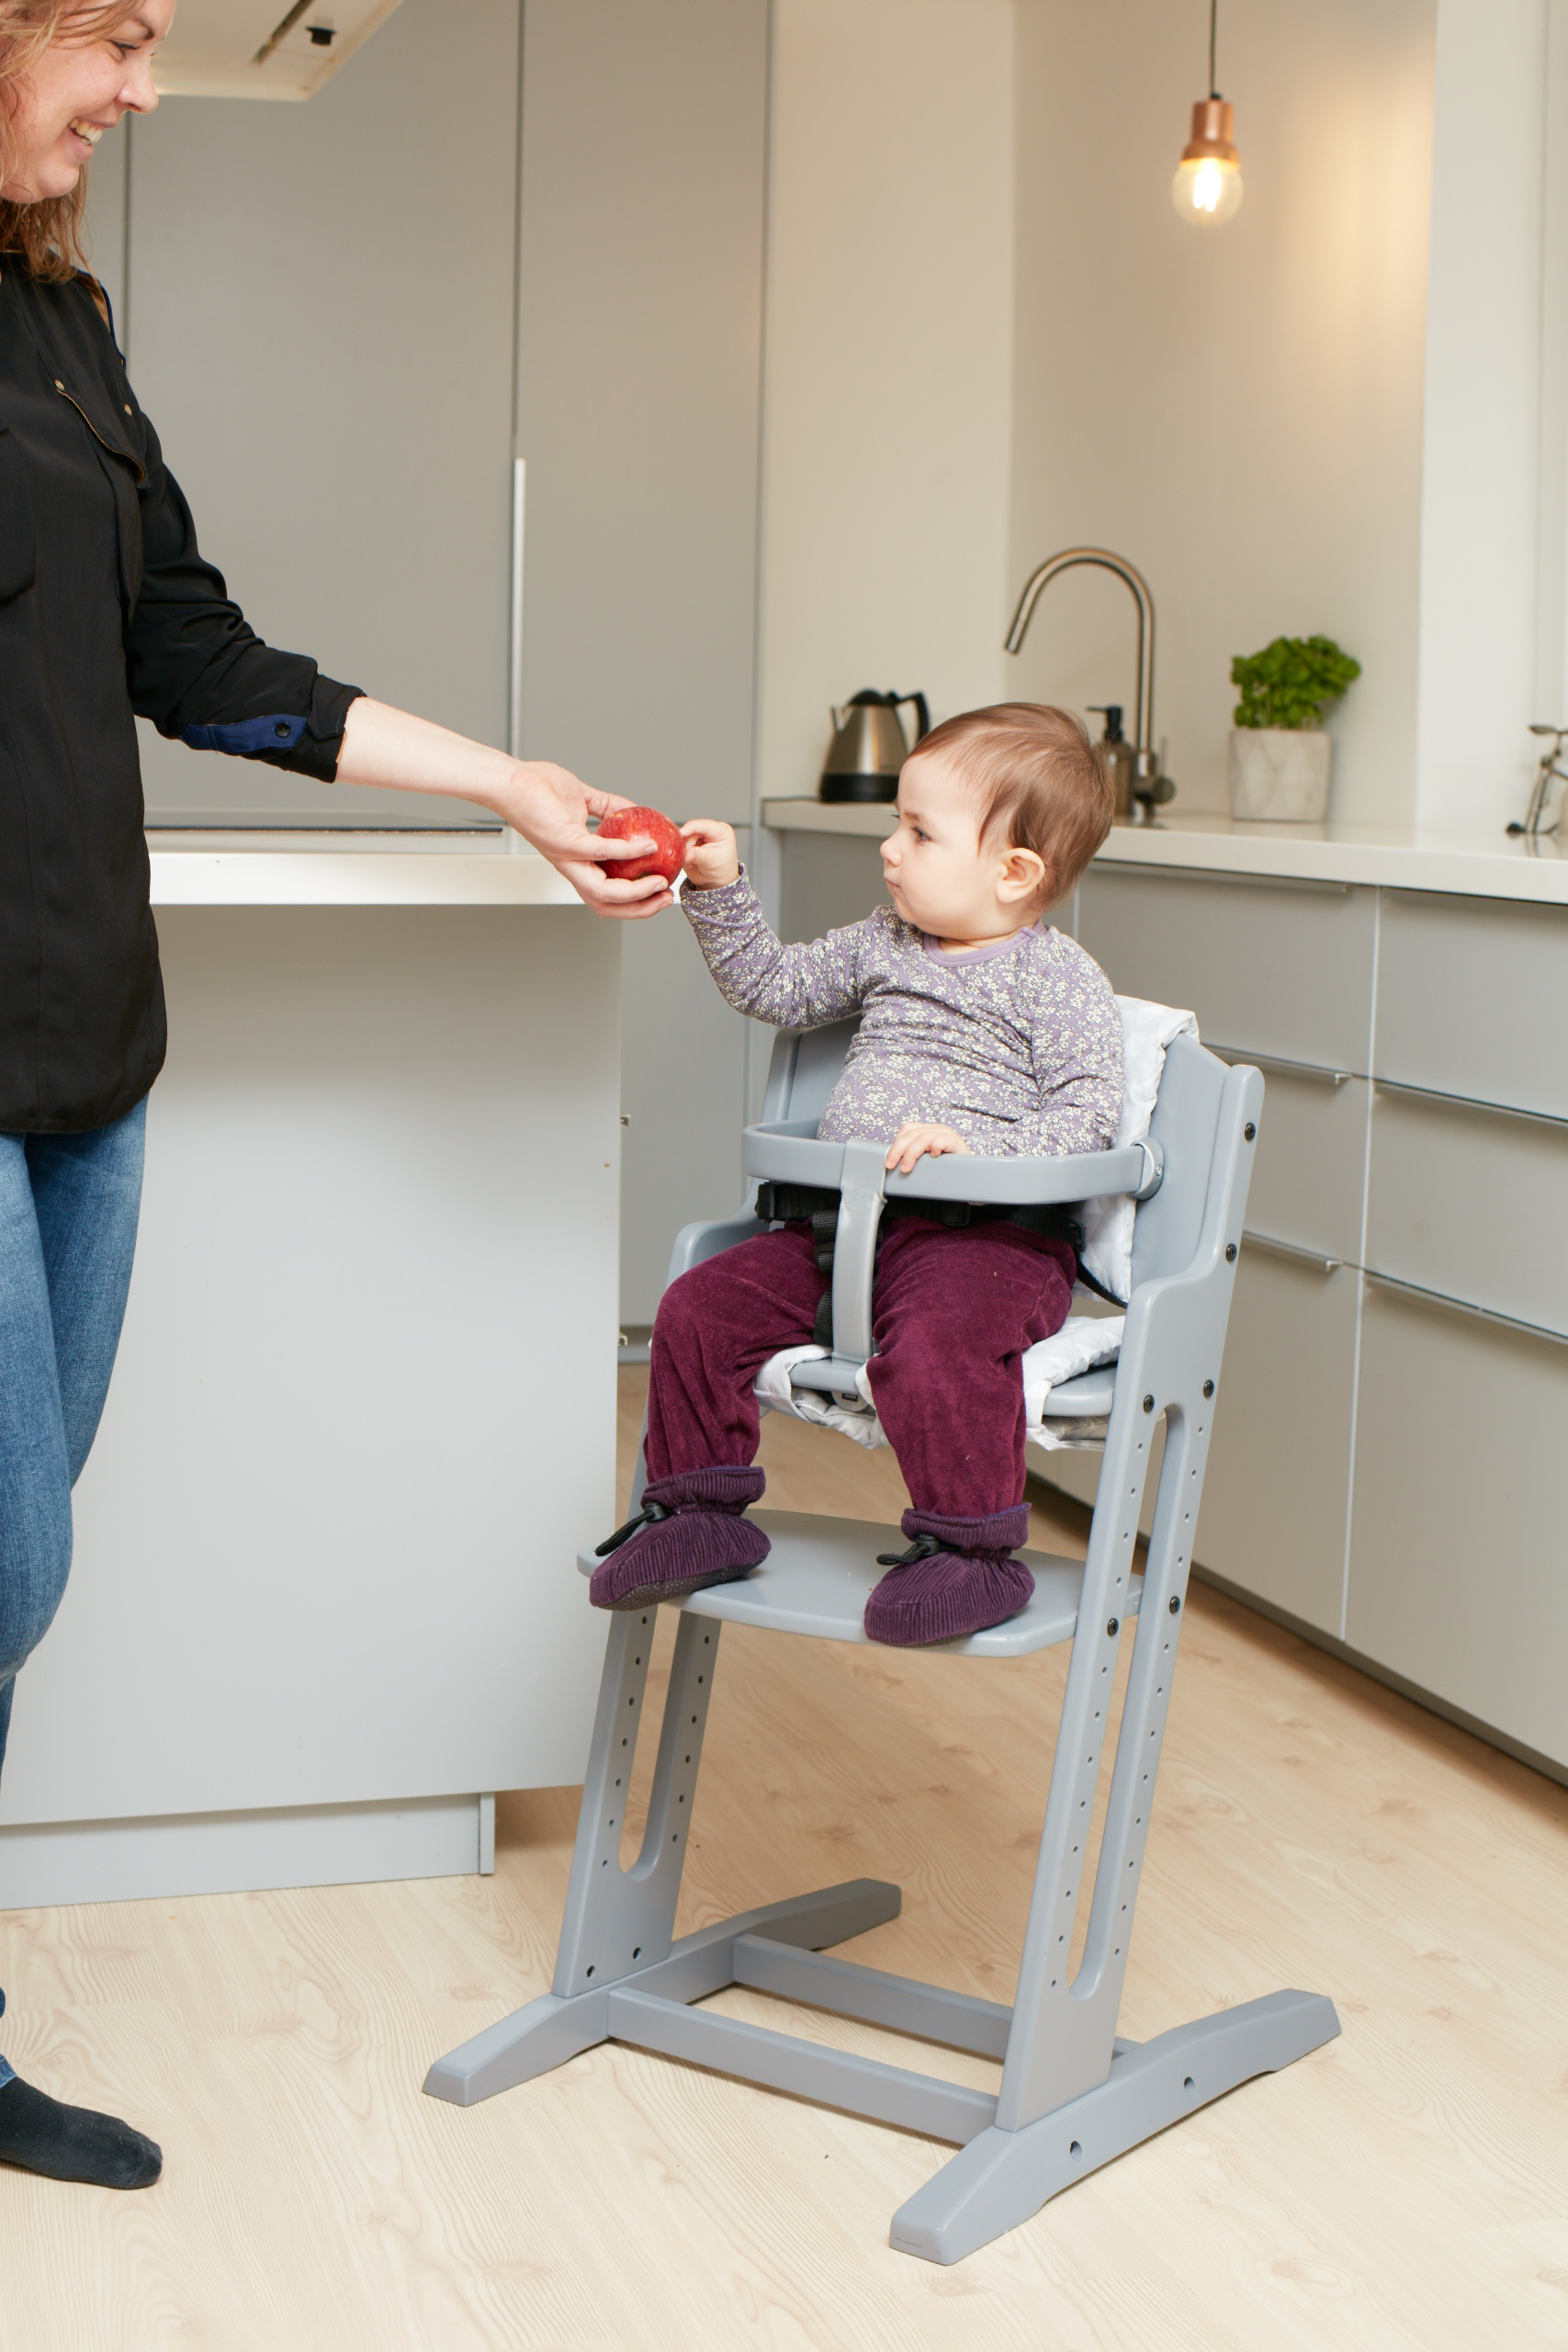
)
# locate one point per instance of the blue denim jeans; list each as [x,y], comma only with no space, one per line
[68,1212]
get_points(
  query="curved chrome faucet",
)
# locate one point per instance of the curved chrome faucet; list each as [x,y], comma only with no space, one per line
[1149,786]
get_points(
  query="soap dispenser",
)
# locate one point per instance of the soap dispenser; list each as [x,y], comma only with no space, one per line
[1119,759]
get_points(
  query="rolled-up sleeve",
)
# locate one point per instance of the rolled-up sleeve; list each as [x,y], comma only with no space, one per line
[196,667]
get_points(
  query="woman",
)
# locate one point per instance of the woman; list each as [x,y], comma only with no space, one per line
[107,609]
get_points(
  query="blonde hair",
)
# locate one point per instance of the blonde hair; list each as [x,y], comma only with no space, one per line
[47,235]
[1042,784]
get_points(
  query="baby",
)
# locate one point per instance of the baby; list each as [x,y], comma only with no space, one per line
[981,1031]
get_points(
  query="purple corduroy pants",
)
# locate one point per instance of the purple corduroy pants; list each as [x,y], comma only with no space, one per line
[952,1312]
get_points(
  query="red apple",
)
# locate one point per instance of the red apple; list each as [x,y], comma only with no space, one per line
[668,850]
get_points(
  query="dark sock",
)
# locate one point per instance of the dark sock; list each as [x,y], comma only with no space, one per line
[37,2134]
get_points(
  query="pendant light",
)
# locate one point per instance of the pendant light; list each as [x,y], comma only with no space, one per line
[1207,187]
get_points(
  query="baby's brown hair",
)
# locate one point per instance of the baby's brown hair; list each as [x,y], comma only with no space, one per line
[1039,780]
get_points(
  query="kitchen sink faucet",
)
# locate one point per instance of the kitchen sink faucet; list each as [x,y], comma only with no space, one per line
[1151,787]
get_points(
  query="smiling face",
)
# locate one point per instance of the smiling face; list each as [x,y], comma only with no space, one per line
[940,876]
[87,81]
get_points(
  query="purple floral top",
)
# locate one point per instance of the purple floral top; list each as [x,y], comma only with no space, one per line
[1018,1045]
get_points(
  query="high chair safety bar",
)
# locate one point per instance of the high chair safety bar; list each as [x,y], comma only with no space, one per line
[1072,2095]
[790,1152]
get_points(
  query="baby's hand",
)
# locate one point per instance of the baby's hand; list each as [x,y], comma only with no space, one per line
[712,858]
[917,1136]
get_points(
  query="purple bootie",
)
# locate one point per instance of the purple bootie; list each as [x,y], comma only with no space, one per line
[956,1578]
[689,1532]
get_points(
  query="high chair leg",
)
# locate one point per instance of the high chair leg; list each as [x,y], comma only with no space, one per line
[619,1923]
[1000,2178]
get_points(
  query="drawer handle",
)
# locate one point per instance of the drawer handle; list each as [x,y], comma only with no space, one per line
[1464,1306]
[1286,1069]
[1467,1103]
[1130,865]
[1292,1250]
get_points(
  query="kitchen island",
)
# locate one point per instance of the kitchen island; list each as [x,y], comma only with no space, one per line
[1388,1473]
[323,1601]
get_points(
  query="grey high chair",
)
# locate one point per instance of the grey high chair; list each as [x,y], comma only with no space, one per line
[1072,2095]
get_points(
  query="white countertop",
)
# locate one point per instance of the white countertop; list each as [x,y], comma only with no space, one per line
[351,869]
[1480,864]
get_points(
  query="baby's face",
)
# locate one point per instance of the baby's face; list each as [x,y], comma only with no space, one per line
[939,877]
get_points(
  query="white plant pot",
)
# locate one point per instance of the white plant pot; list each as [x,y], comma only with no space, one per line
[1279,775]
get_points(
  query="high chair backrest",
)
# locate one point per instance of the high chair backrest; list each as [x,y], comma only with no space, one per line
[805,1069]
[1187,1122]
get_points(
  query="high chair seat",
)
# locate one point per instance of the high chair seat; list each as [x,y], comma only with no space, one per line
[1073,2093]
[818,1576]
[1088,1397]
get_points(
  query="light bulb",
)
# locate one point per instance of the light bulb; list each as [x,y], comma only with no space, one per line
[1207,187]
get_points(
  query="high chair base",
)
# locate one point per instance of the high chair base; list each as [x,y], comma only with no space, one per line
[620,1977]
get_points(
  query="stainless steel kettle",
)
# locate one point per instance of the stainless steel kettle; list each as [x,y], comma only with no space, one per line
[870,746]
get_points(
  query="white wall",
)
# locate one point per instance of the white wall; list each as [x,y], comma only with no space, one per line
[1484,565]
[887,363]
[1239,413]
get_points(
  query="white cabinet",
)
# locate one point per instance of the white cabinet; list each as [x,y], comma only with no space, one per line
[496,231]
[1457,1579]
[320,317]
[1470,997]
[639,406]
[323,1598]
[1275,1495]
[1387,1465]
[1281,968]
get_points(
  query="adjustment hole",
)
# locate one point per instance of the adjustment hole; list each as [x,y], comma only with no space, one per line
[589,1971]
[1186,2082]
[1075,2149]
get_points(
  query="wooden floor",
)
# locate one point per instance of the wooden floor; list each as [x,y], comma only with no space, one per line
[1406,2186]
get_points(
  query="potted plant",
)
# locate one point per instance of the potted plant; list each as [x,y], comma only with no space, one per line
[1281,752]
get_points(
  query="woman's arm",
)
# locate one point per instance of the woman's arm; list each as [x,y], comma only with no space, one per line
[546,804]
[200,671]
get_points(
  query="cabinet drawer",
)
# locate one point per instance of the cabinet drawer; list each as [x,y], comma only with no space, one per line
[1312,1151]
[1272,1519]
[1471,1202]
[1457,1530]
[1277,969]
[1471,997]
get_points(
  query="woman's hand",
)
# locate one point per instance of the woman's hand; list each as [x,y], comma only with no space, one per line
[712,858]
[915,1138]
[548,805]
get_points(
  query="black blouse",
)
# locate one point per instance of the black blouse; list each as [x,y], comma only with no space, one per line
[107,609]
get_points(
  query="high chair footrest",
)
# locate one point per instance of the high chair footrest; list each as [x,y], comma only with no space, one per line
[820,1574]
